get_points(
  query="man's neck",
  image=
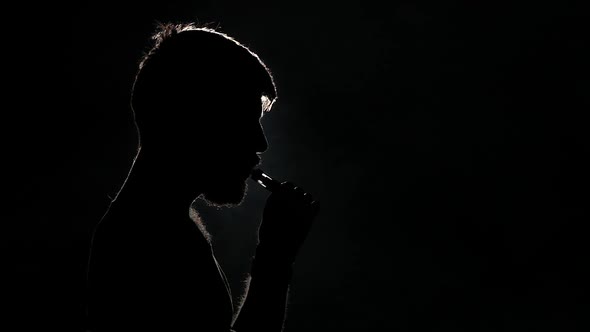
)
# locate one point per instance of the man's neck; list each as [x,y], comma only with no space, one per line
[154,184]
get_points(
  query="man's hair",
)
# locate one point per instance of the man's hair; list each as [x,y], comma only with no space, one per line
[188,63]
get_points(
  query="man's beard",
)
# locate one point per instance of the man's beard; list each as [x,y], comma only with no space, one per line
[225,193]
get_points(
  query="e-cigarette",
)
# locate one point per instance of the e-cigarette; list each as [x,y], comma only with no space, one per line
[264,180]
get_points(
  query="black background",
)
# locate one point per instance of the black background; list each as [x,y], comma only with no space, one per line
[447,142]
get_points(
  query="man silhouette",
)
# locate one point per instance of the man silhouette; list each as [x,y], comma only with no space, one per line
[197,100]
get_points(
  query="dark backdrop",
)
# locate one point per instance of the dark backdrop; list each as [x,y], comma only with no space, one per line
[447,142]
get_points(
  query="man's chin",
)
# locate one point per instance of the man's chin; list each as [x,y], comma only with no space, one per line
[226,194]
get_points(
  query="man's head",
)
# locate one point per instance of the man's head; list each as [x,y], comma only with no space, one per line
[197,99]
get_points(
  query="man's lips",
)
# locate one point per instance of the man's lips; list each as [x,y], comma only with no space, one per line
[247,170]
[255,163]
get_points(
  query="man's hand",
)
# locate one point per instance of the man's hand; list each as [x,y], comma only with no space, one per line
[288,216]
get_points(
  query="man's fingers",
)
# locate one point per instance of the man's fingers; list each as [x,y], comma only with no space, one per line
[287,185]
[315,207]
[291,190]
[306,197]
